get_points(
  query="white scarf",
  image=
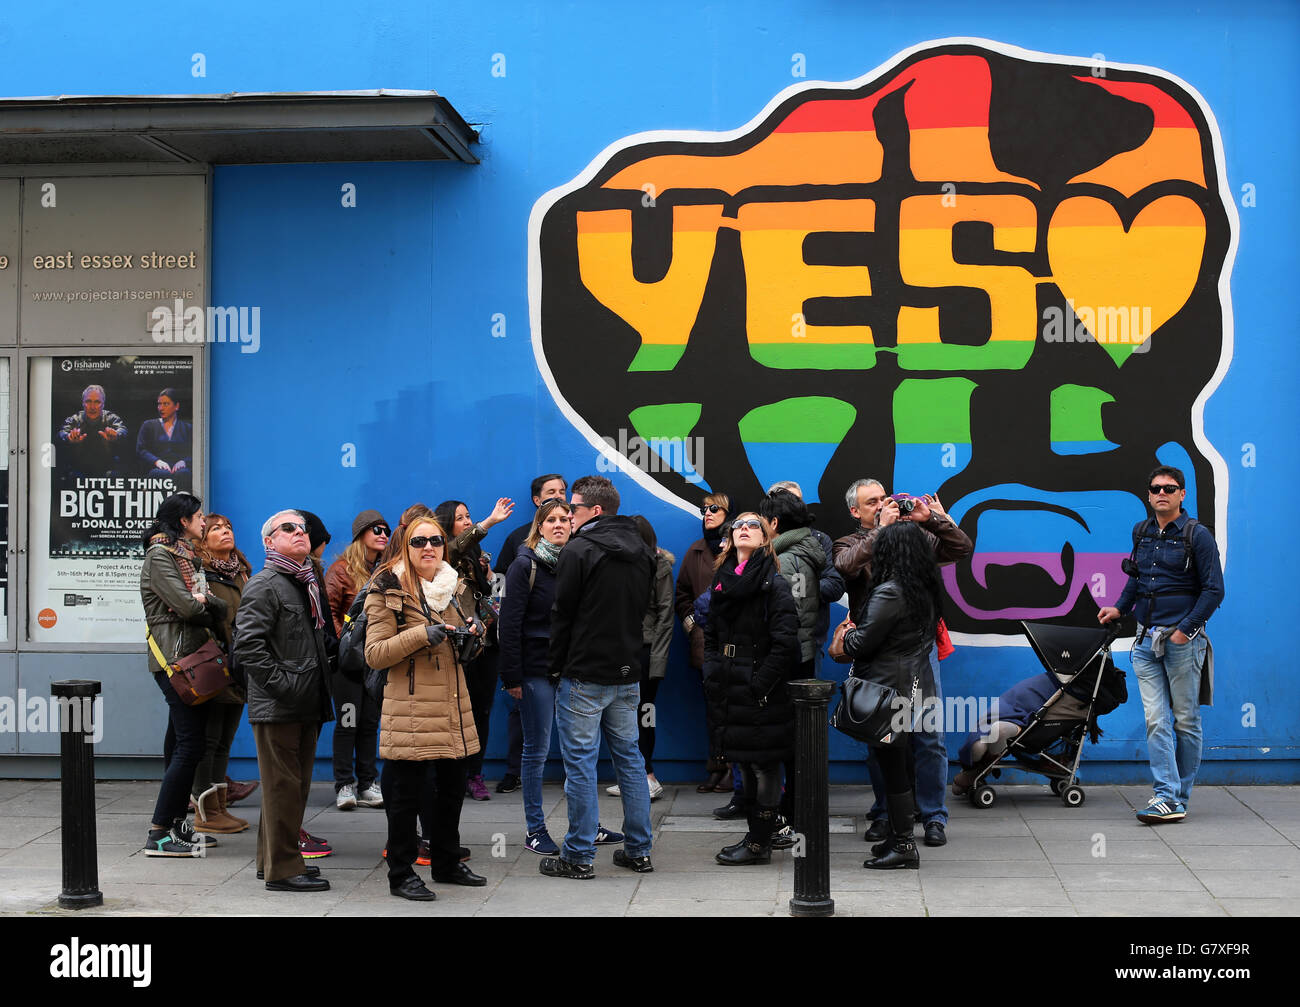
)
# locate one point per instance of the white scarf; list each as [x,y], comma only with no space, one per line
[437,592]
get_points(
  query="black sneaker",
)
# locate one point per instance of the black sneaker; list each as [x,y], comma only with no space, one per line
[166,843]
[784,837]
[729,811]
[558,867]
[183,829]
[877,830]
[509,784]
[641,865]
[934,834]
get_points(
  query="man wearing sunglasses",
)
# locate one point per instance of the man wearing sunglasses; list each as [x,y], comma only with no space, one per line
[280,646]
[1175,583]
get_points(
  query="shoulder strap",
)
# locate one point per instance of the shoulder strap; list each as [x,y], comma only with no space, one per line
[532,573]
[157,652]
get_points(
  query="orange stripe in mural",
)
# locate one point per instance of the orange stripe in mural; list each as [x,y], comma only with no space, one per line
[1169,211]
[779,159]
[1168,153]
[932,212]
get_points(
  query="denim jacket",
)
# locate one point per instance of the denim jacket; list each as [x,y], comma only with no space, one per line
[1169,590]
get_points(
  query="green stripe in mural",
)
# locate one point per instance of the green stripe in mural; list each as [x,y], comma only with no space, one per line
[1010,355]
[1076,412]
[810,419]
[932,411]
[669,420]
[814,356]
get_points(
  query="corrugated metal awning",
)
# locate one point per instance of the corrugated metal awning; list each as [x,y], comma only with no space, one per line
[241,128]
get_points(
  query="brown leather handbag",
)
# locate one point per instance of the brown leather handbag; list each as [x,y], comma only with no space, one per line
[196,677]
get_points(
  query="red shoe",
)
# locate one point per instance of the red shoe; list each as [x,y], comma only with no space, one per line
[422,857]
[312,846]
[236,792]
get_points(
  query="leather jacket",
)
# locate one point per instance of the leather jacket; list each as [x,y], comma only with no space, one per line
[891,645]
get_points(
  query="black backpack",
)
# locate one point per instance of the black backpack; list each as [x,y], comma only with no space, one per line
[352,643]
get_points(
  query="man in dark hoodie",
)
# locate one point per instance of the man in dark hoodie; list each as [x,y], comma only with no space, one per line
[602,589]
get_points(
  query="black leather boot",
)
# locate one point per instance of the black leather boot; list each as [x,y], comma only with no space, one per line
[901,853]
[756,847]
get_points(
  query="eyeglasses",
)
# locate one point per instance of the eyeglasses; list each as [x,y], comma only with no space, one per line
[379,529]
[753,523]
[579,503]
[1170,488]
[420,541]
[289,528]
[711,509]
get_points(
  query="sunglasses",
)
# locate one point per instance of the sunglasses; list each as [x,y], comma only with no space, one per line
[380,529]
[1170,488]
[420,541]
[747,523]
[578,503]
[289,528]
[710,509]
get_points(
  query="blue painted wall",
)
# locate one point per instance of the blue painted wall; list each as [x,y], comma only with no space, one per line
[377,321]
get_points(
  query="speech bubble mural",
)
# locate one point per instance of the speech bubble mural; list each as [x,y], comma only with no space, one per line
[992,273]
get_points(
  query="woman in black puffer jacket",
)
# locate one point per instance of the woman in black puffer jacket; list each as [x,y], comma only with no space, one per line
[892,646]
[751,649]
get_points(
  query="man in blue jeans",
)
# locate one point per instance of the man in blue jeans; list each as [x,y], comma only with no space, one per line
[1175,582]
[873,510]
[602,590]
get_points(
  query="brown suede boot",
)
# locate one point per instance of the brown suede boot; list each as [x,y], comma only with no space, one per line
[223,805]
[208,818]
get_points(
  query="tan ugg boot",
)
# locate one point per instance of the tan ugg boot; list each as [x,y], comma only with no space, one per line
[207,817]
[223,793]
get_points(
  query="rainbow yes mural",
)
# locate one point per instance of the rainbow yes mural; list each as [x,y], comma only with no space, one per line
[995,274]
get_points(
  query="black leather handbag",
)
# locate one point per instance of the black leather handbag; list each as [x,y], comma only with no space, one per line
[870,712]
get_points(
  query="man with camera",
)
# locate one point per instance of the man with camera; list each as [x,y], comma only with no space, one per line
[602,589]
[874,510]
[1175,582]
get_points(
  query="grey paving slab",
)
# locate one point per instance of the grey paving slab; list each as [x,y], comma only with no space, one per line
[1110,877]
[12,788]
[1261,907]
[1092,903]
[995,911]
[40,803]
[17,831]
[108,829]
[745,883]
[935,868]
[604,895]
[705,907]
[1265,884]
[1086,828]
[1243,832]
[991,892]
[991,825]
[876,904]
[1228,858]
[1108,850]
[962,847]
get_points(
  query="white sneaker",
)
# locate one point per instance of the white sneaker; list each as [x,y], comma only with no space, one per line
[614,791]
[347,797]
[371,797]
[656,788]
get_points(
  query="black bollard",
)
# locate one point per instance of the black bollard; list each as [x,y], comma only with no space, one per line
[77,769]
[812,871]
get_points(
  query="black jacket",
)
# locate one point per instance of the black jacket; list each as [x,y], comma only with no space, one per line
[891,645]
[602,589]
[525,625]
[280,652]
[751,649]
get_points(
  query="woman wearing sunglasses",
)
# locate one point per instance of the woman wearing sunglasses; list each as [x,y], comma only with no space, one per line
[693,579]
[414,609]
[751,649]
[355,736]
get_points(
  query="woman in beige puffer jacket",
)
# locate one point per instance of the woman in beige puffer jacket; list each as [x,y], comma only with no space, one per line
[427,722]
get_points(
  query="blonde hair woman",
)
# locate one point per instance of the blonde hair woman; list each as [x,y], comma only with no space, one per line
[414,609]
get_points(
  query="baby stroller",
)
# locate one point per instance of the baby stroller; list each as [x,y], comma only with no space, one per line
[1040,723]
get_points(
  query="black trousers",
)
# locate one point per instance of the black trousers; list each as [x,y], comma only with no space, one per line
[897,765]
[646,713]
[481,677]
[762,781]
[356,729]
[432,792]
[187,736]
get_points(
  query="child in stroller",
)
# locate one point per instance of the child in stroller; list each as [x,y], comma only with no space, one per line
[1041,721]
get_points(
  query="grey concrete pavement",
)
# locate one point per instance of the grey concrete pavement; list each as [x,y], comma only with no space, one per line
[1237,854]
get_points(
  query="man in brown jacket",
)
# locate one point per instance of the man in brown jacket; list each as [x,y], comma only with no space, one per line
[852,557]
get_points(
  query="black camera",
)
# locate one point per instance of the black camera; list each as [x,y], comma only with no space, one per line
[467,644]
[906,503]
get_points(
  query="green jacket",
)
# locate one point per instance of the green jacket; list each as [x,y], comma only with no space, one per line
[180,625]
[802,560]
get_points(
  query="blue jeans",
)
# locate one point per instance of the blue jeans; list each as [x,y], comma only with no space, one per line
[536,713]
[582,711]
[1171,697]
[931,756]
